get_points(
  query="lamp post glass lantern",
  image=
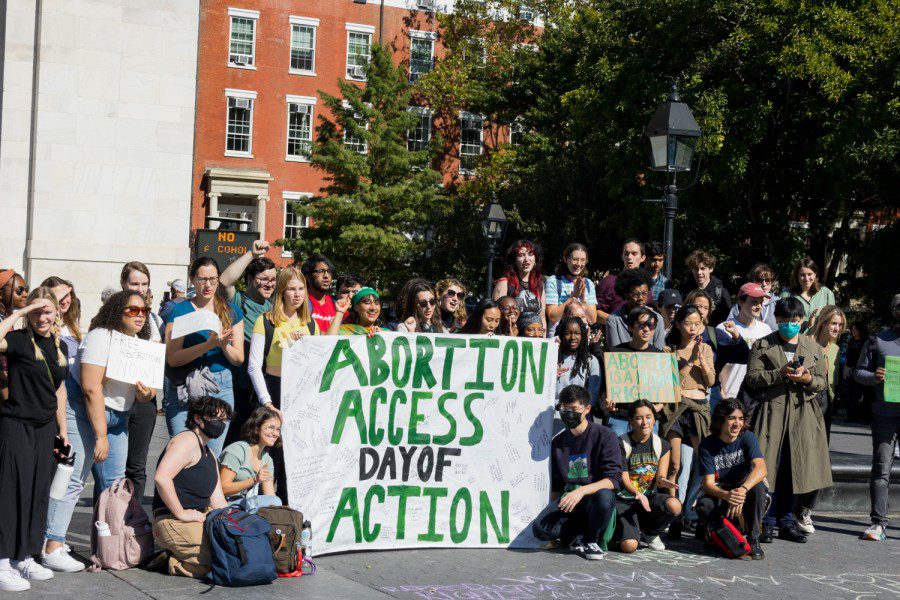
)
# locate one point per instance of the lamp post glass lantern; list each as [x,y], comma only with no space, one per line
[670,140]
[493,227]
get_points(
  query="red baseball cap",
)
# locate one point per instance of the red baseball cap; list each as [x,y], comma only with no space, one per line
[753,290]
[6,275]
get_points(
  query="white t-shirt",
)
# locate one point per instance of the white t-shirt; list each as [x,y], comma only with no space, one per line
[94,350]
[732,375]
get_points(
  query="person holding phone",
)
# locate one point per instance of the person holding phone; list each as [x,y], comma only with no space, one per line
[786,372]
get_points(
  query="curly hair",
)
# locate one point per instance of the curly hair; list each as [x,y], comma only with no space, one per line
[110,314]
[252,426]
[723,410]
[207,407]
[583,354]
[629,279]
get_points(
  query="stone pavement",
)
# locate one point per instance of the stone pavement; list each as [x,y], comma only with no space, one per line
[833,565]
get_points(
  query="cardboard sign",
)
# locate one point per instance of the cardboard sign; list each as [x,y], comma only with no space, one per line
[199,320]
[650,376]
[132,360]
[402,441]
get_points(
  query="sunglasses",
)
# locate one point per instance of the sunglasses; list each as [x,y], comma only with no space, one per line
[453,294]
[22,289]
[426,303]
[645,325]
[135,311]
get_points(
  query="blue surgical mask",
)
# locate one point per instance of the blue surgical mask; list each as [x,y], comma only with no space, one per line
[789,330]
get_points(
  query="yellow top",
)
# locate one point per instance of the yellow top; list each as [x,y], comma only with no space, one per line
[281,339]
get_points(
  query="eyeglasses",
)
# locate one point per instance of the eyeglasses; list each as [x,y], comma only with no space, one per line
[638,295]
[322,271]
[271,428]
[426,303]
[22,289]
[453,294]
[266,282]
[509,308]
[135,311]
[641,325]
[206,280]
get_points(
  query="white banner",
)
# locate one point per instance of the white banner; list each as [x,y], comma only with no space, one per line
[403,441]
[132,359]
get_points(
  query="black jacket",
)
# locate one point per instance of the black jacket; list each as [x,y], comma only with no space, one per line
[721,298]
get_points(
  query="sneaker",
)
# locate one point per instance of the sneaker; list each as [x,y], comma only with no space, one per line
[31,570]
[654,543]
[756,551]
[576,546]
[592,551]
[805,522]
[792,534]
[59,560]
[874,533]
[12,581]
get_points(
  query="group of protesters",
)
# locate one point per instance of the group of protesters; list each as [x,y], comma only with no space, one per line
[747,441]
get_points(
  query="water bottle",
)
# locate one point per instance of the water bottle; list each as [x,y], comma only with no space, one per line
[102,529]
[64,468]
[306,539]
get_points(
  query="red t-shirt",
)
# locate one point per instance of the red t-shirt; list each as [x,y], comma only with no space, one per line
[323,312]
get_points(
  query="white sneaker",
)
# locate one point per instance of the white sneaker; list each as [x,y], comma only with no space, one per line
[654,543]
[805,522]
[12,581]
[592,551]
[874,533]
[31,570]
[59,560]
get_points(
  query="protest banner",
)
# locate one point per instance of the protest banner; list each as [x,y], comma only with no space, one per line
[400,441]
[651,376]
[199,320]
[132,359]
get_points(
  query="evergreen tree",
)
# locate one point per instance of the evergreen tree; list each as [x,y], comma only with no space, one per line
[373,215]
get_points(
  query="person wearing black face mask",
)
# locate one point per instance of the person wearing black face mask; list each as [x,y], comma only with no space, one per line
[585,474]
[188,487]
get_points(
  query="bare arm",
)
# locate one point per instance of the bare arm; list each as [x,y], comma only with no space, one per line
[181,452]
[341,306]
[235,270]
[61,412]
[217,500]
[92,386]
[230,487]
[178,356]
[500,289]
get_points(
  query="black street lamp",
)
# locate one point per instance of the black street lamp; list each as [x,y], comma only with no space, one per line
[493,226]
[669,143]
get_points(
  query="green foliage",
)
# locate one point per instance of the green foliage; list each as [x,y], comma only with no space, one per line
[372,216]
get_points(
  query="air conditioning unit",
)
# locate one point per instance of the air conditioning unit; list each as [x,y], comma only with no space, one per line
[526,13]
[241,60]
[242,103]
[356,72]
[425,5]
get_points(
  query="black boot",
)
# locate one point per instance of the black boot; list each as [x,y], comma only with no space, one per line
[756,551]
[768,534]
[792,534]
[675,530]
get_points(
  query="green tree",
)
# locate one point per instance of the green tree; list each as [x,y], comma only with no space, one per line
[373,215]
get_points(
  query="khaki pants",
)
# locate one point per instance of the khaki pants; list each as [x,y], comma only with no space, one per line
[187,545]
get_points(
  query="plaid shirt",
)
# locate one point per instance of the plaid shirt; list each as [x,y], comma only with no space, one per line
[658,286]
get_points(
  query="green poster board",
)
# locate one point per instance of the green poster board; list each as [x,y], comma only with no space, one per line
[631,376]
[892,379]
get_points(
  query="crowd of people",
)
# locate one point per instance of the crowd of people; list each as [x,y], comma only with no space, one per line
[748,440]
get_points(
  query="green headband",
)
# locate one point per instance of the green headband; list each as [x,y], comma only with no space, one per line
[362,293]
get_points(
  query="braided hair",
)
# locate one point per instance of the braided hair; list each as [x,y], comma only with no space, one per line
[582,355]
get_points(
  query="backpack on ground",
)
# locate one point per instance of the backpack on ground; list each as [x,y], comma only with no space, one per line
[239,548]
[130,539]
[724,536]
[284,537]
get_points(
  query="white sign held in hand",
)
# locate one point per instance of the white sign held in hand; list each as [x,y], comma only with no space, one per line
[132,359]
[199,320]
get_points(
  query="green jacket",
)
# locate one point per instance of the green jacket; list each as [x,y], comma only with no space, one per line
[788,408]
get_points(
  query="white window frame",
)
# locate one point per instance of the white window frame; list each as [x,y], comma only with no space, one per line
[242,13]
[288,197]
[303,22]
[465,115]
[365,144]
[247,95]
[429,36]
[421,112]
[358,29]
[309,101]
[516,126]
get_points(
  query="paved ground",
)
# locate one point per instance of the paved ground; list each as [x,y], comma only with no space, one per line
[834,565]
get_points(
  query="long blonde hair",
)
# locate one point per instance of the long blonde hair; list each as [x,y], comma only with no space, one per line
[445,284]
[72,317]
[44,293]
[823,320]
[277,315]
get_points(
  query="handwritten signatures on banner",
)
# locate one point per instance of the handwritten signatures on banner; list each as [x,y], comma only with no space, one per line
[647,584]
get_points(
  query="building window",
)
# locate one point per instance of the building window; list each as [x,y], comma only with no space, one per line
[470,146]
[359,48]
[526,13]
[242,38]
[299,127]
[417,139]
[294,224]
[421,53]
[239,127]
[303,45]
[516,132]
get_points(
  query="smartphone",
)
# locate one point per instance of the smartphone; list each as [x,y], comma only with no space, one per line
[799,361]
[61,447]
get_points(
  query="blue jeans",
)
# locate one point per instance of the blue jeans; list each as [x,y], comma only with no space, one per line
[82,438]
[688,481]
[715,394]
[176,412]
[621,426]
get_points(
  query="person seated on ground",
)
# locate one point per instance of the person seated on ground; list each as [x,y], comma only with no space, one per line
[586,470]
[643,509]
[246,467]
[188,487]
[732,468]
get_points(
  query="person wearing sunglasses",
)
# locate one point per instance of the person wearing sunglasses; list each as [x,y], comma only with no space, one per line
[319,272]
[13,293]
[97,417]
[452,295]
[634,286]
[417,308]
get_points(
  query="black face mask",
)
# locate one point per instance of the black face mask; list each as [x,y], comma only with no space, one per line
[570,418]
[213,428]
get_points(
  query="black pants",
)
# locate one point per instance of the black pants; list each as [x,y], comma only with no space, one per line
[26,471]
[590,517]
[711,510]
[273,384]
[141,423]
[632,519]
[244,404]
[781,512]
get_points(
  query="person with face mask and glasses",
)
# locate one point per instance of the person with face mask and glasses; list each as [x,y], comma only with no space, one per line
[785,374]
[586,472]
[188,487]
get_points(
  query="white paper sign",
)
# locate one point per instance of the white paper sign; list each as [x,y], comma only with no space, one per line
[404,441]
[132,360]
[199,320]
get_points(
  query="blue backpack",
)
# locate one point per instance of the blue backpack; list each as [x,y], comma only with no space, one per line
[239,544]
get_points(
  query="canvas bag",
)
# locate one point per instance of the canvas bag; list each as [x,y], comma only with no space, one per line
[130,539]
[284,536]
